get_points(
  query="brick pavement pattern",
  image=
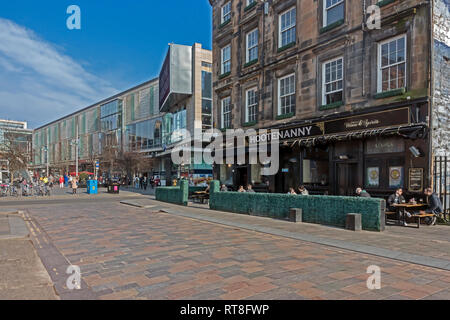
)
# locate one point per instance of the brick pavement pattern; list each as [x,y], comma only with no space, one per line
[131,253]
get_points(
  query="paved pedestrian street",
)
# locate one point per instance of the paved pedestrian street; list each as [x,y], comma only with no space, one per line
[126,252]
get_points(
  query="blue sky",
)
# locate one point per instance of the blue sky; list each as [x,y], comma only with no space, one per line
[48,71]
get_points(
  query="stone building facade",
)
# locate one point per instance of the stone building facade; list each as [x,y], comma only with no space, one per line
[285,64]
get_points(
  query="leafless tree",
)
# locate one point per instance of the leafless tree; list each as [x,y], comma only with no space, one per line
[16,150]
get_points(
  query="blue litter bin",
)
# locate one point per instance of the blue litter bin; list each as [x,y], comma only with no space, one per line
[92,187]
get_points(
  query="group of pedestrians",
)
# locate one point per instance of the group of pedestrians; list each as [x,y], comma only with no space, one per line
[142,182]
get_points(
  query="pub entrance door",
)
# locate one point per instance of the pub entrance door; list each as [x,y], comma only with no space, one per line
[346,178]
[242,177]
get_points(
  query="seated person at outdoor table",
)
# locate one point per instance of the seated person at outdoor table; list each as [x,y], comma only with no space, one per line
[397,198]
[249,188]
[291,191]
[434,205]
[362,193]
[302,191]
[241,189]
[223,188]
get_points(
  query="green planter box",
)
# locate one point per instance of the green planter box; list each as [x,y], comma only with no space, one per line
[326,210]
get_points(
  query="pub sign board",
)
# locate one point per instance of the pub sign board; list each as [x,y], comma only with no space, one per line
[375,120]
[415,180]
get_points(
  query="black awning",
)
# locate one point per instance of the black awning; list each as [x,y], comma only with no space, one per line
[407,131]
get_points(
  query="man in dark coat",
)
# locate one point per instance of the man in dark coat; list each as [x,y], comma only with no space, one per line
[434,206]
[395,198]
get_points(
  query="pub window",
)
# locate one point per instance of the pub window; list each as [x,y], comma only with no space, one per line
[251,105]
[315,166]
[226,113]
[286,94]
[287,27]
[252,46]
[249,2]
[226,12]
[332,83]
[333,11]
[392,64]
[226,59]
[226,174]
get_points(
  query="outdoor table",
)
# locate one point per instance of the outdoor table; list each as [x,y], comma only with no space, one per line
[401,207]
[200,195]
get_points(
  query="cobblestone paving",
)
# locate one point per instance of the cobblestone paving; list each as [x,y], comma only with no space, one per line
[130,253]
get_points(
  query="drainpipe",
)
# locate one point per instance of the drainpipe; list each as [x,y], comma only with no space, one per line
[363,27]
[431,82]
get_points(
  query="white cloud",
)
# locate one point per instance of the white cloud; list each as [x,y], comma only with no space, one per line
[38,83]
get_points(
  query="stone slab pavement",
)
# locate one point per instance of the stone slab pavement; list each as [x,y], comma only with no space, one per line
[66,194]
[126,252]
[429,245]
[22,274]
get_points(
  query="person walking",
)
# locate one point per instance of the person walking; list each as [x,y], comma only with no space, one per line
[145,182]
[74,183]
[61,182]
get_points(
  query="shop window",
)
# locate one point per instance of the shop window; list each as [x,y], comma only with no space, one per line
[256,173]
[226,174]
[382,146]
[315,166]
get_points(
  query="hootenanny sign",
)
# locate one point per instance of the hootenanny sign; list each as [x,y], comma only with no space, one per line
[376,120]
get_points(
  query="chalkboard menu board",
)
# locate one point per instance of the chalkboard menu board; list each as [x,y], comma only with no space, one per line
[415,180]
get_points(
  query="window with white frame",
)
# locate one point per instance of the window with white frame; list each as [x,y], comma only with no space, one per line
[333,11]
[251,105]
[392,64]
[286,94]
[287,27]
[226,12]
[226,113]
[249,2]
[252,46]
[226,59]
[332,84]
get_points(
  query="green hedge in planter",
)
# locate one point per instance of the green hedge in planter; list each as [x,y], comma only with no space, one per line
[327,210]
[177,195]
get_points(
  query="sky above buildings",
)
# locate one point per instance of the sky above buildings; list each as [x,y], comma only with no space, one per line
[48,71]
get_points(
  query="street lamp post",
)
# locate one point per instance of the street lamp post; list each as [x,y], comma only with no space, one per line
[76,142]
[45,148]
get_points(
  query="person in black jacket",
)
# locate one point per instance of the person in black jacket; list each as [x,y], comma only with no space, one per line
[395,198]
[434,206]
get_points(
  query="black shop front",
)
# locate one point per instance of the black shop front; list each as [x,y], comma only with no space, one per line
[378,149]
